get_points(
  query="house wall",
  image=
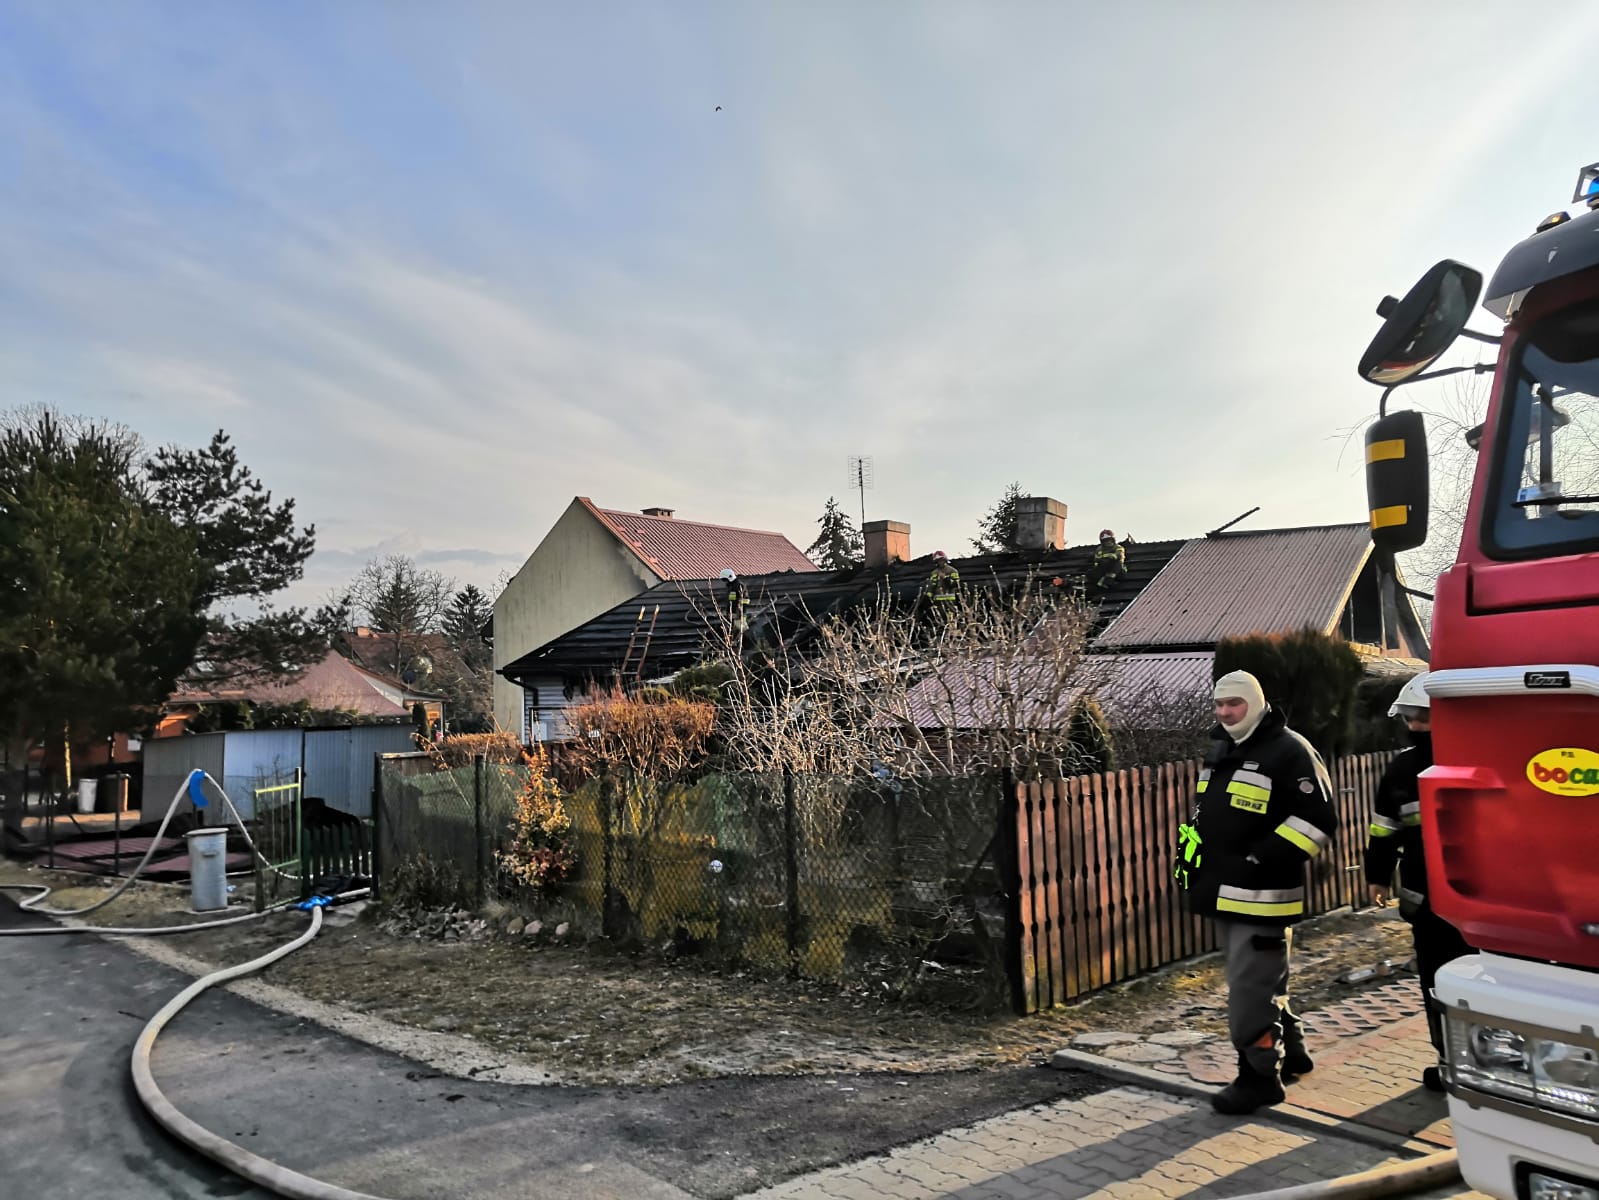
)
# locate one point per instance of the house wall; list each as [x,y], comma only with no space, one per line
[577,572]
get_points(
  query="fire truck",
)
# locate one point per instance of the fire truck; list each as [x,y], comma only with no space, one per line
[1510,810]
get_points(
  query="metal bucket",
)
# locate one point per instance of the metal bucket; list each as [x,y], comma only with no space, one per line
[208,873]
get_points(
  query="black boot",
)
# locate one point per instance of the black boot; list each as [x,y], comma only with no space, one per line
[1251,1090]
[1296,1063]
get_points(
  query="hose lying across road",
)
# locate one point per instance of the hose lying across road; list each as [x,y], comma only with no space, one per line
[1395,1179]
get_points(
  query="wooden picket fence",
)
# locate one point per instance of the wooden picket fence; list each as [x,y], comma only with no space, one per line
[1098,903]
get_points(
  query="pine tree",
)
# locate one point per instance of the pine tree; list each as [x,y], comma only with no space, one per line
[468,613]
[249,548]
[839,545]
[996,529]
[102,595]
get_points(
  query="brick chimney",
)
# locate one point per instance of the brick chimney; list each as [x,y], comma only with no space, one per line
[886,542]
[659,512]
[1040,523]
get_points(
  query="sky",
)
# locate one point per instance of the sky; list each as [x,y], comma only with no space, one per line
[437,269]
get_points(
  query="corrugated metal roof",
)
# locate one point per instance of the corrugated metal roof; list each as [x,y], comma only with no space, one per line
[983,694]
[693,550]
[1231,584]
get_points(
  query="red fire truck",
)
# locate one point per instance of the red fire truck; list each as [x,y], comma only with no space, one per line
[1510,811]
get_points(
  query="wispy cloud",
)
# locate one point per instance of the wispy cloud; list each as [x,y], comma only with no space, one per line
[439,273]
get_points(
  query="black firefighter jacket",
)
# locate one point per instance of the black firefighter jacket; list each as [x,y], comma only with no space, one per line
[1396,826]
[1265,807]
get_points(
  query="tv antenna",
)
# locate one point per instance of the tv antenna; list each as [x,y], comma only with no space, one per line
[862,475]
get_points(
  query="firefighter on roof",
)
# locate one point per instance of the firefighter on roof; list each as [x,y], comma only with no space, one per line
[1109,565]
[943,585]
[735,599]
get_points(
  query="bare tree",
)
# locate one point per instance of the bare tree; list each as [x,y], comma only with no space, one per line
[397,597]
[985,682]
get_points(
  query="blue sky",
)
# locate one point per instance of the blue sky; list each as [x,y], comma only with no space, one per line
[439,268]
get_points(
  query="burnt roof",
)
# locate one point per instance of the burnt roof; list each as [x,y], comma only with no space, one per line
[665,628]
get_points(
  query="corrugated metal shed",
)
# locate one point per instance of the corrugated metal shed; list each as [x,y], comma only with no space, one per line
[694,550]
[167,763]
[1231,584]
[338,763]
[258,758]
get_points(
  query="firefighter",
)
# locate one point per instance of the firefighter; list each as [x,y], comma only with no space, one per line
[1396,840]
[735,599]
[1265,806]
[943,585]
[1109,565]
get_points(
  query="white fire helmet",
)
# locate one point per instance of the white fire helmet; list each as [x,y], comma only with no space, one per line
[1412,700]
[728,575]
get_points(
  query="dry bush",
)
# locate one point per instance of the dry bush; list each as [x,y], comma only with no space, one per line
[460,749]
[661,737]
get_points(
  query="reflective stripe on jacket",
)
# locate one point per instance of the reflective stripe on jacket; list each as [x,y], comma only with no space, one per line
[1395,834]
[1265,808]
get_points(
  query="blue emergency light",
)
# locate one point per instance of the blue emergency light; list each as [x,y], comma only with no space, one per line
[1587,184]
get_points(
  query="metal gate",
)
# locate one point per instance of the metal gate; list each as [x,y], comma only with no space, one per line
[279,865]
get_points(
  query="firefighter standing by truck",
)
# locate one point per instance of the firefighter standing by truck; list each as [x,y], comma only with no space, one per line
[1396,841]
[1264,807]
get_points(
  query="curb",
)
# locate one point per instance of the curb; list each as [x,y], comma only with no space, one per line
[1287,1114]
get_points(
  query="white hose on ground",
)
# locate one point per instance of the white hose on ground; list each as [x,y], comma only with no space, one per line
[1394,1179]
[32,904]
[124,930]
[276,1178]
[177,796]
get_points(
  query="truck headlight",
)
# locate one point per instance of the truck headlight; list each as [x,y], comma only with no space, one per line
[1537,1070]
[1566,1076]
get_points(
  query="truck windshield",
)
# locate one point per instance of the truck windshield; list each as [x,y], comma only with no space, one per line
[1545,495]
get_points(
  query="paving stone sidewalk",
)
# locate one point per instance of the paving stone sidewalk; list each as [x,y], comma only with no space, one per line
[1362,1106]
[1370,1051]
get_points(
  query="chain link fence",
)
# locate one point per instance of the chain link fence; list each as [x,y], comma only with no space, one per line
[816,877]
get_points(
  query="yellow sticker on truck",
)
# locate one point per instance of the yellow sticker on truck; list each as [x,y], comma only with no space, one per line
[1567,771]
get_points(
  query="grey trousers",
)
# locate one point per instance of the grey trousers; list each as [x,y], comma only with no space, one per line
[1259,1020]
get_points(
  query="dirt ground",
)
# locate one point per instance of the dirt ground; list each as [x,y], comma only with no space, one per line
[590,1015]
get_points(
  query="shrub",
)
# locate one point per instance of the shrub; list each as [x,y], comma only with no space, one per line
[1308,675]
[539,855]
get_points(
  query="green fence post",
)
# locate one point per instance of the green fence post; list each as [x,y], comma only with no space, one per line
[477,823]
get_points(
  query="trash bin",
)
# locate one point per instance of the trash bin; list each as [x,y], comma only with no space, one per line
[87,789]
[208,873]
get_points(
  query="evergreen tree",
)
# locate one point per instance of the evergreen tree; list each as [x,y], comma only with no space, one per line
[839,545]
[464,619]
[397,597]
[249,549]
[996,529]
[102,594]
[1310,676]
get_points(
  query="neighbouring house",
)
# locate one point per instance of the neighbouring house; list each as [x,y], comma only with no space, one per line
[1156,627]
[594,559]
[333,682]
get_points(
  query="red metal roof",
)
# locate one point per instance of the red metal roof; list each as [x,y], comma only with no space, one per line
[335,682]
[677,549]
[1230,584]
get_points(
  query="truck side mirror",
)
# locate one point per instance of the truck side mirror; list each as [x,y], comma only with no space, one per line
[1396,481]
[1423,325]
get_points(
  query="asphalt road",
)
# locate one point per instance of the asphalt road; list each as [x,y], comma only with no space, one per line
[70,1126]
